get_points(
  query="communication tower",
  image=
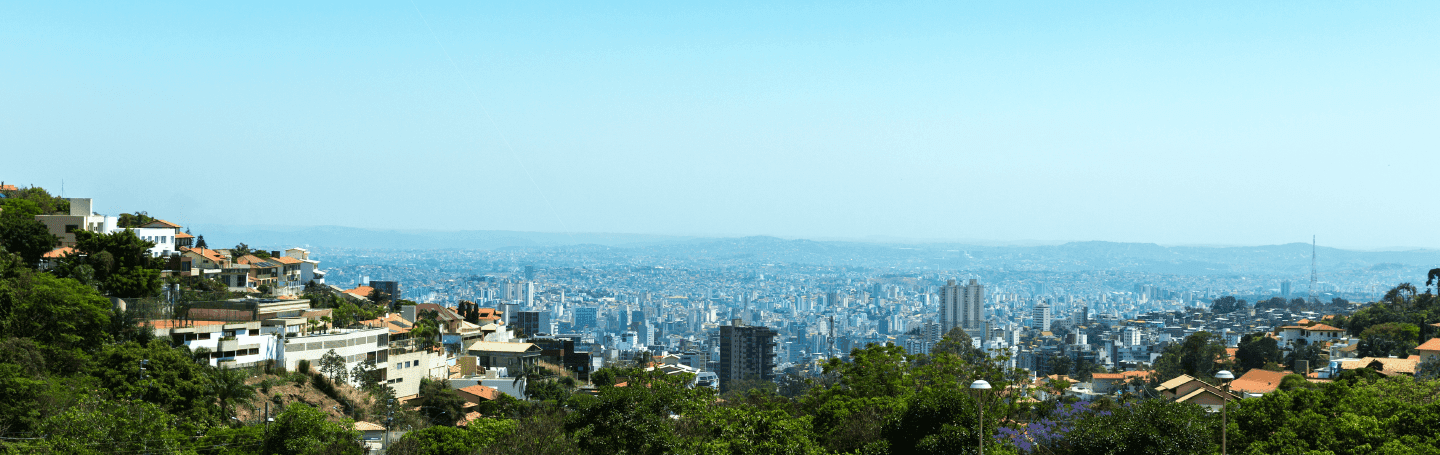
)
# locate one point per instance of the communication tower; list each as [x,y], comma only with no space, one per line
[1314,276]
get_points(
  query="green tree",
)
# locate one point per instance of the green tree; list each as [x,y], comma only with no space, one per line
[332,365]
[121,262]
[103,426]
[1309,353]
[229,388]
[1390,338]
[134,220]
[304,430]
[160,374]
[636,419]
[366,376]
[1254,351]
[53,311]
[443,406]
[22,234]
[744,430]
[1151,426]
[1200,355]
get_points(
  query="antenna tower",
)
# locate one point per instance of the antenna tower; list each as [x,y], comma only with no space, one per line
[1314,277]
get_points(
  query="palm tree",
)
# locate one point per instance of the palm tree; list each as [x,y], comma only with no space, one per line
[230,388]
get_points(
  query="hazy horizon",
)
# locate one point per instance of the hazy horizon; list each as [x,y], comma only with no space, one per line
[1223,123]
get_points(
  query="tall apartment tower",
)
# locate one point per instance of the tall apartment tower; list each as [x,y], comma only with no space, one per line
[963,307]
[746,353]
[1041,315]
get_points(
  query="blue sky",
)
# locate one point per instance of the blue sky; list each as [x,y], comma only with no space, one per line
[1175,123]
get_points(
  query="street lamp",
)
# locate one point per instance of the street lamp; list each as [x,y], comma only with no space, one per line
[980,387]
[1225,377]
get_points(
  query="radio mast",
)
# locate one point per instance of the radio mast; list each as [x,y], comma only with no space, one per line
[1314,277]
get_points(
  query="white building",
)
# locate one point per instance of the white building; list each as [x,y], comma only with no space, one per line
[962,306]
[1041,317]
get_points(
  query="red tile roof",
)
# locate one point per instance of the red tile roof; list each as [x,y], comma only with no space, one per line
[59,252]
[1432,345]
[162,224]
[481,392]
[1258,381]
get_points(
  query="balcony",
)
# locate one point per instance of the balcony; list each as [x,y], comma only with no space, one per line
[227,344]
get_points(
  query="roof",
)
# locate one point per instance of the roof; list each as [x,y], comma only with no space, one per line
[1176,382]
[159,223]
[367,426]
[182,235]
[363,291]
[495,346]
[284,259]
[1121,375]
[1391,365]
[8,188]
[205,253]
[59,252]
[1432,345]
[1258,381]
[480,391]
[1313,328]
[173,323]
[1206,389]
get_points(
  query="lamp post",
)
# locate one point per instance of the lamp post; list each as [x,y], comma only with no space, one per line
[980,387]
[1225,377]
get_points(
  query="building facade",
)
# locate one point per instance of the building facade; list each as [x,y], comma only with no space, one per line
[962,307]
[746,353]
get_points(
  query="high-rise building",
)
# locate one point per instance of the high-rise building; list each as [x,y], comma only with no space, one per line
[533,322]
[389,288]
[963,307]
[587,317]
[1285,288]
[1041,316]
[1132,336]
[746,353]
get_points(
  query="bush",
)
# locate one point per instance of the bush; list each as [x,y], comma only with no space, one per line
[303,366]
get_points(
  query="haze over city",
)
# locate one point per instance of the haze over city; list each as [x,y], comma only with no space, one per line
[1229,123]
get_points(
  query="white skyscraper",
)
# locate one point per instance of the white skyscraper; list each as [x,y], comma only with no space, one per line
[1041,316]
[963,306]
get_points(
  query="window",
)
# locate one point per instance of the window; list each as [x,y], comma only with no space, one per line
[70,228]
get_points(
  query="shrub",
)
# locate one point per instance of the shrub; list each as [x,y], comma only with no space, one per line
[303,366]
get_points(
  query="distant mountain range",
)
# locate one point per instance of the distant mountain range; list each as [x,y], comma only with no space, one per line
[1288,259]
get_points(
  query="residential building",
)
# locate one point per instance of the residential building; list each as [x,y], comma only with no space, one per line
[746,353]
[1041,317]
[963,307]
[81,217]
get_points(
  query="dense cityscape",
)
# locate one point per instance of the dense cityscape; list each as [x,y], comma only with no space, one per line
[529,350]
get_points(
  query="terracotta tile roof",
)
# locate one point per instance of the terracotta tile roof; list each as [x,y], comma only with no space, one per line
[182,235]
[8,188]
[367,426]
[469,417]
[205,253]
[1432,345]
[1121,375]
[1258,381]
[159,223]
[1391,365]
[59,252]
[1323,327]
[173,323]
[481,392]
[363,291]
[284,259]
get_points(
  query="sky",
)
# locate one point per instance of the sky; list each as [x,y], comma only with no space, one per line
[1219,123]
